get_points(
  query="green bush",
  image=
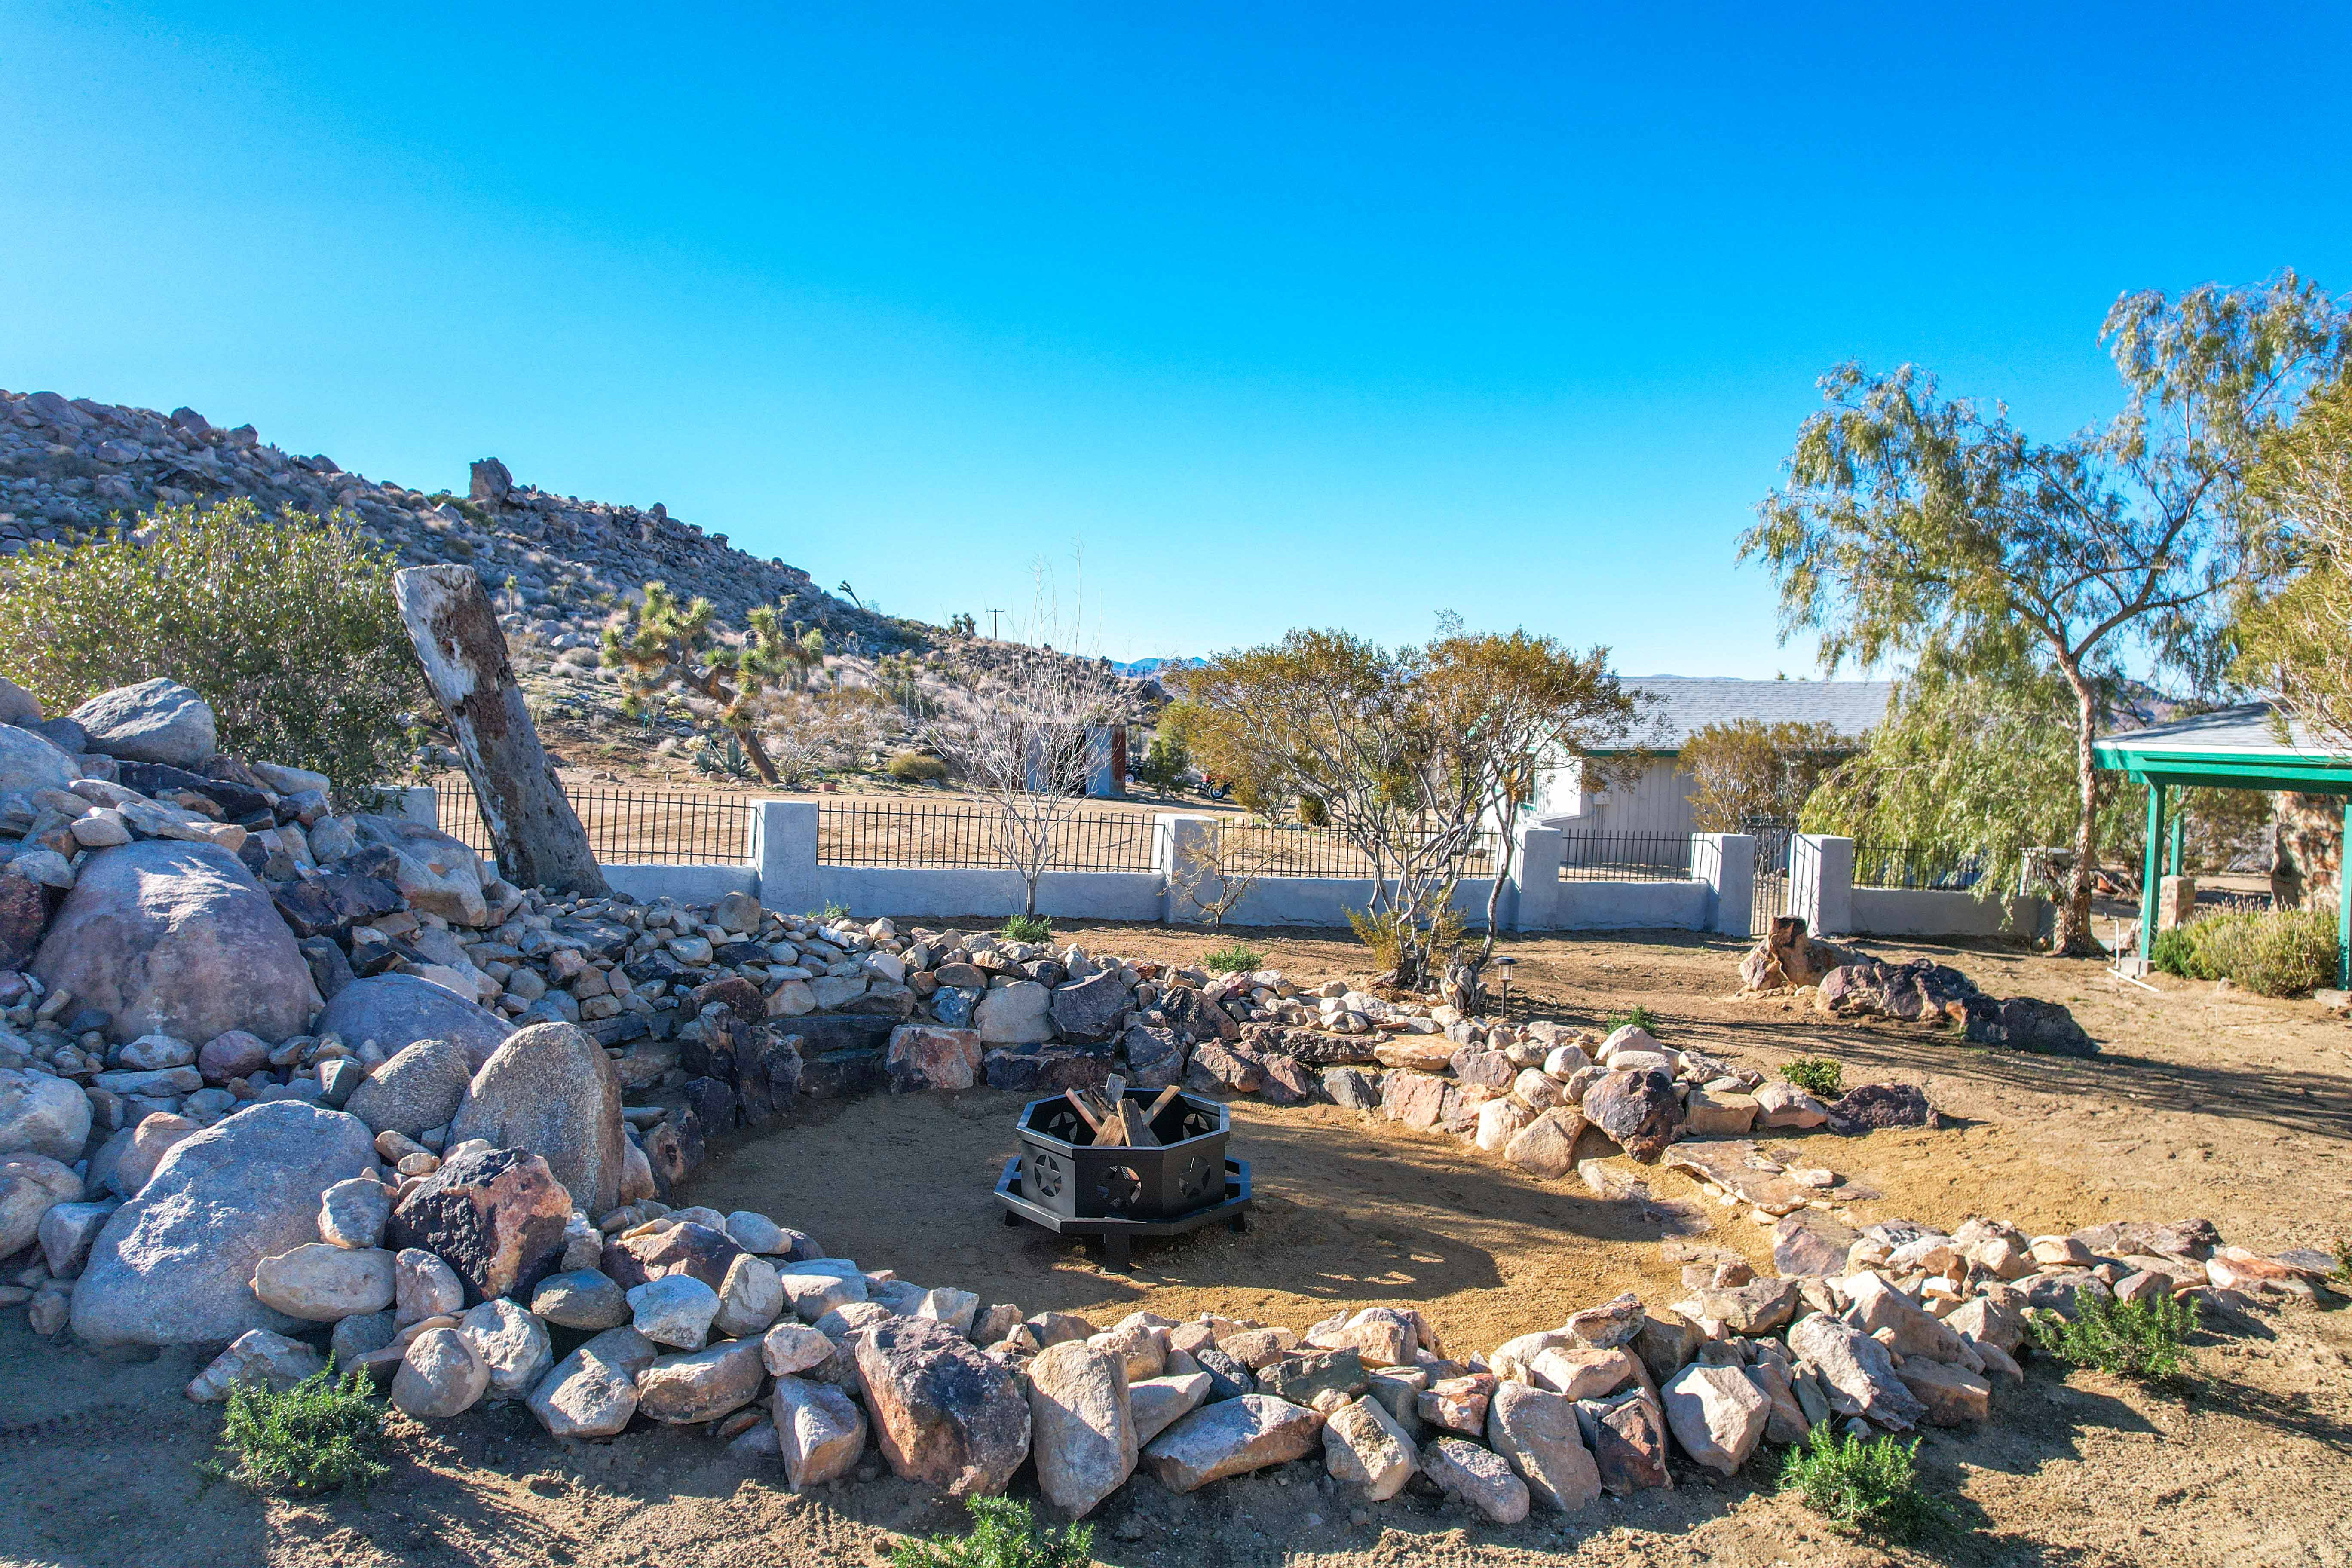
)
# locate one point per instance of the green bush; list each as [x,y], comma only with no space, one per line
[2175,953]
[1027,928]
[1637,1017]
[2274,952]
[1861,1487]
[286,627]
[1164,767]
[1313,811]
[916,767]
[1233,958]
[1003,1535]
[1817,1076]
[319,1435]
[2141,1338]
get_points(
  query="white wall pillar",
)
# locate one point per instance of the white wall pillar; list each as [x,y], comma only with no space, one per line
[1726,862]
[1180,842]
[783,848]
[420,804]
[1536,879]
[1821,883]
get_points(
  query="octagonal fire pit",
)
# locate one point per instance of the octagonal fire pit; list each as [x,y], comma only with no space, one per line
[1066,1181]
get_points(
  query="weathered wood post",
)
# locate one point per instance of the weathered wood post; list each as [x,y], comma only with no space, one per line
[536,834]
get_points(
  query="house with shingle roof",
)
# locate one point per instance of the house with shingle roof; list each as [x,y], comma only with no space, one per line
[1637,787]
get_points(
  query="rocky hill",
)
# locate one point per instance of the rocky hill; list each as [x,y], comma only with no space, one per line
[559,567]
[69,468]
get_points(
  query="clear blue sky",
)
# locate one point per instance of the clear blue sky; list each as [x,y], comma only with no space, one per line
[1235,318]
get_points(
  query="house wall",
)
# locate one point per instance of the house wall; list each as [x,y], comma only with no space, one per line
[1616,796]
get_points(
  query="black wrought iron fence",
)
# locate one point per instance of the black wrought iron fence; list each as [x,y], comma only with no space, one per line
[624,826]
[1909,865]
[1283,849]
[884,832]
[1625,858]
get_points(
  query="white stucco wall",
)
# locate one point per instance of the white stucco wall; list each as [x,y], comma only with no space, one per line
[1910,911]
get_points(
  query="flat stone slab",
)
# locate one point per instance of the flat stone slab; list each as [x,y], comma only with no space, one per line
[1734,1164]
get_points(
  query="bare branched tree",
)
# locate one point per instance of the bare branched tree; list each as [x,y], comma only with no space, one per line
[1227,864]
[1023,739]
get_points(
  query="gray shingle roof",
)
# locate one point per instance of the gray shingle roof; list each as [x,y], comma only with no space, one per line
[1684,705]
[2247,727]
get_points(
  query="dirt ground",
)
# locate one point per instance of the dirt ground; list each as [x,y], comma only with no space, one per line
[2226,1106]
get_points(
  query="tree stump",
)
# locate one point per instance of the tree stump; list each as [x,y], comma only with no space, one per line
[536,834]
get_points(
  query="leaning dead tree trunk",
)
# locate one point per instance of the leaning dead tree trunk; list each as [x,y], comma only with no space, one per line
[536,834]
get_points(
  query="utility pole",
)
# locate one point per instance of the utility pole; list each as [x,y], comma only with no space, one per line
[991,623]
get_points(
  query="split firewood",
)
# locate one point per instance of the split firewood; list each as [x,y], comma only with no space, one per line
[1086,1114]
[1137,1125]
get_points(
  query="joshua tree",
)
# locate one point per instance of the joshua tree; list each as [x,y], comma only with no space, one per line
[669,646]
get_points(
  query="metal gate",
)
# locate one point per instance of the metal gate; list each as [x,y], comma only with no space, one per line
[1770,892]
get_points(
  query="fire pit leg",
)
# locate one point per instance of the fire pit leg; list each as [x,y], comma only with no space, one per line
[1011,1218]
[1238,1223]
[1115,1254]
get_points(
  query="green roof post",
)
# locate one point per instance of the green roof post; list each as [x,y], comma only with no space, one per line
[2149,861]
[2179,826]
[2344,904]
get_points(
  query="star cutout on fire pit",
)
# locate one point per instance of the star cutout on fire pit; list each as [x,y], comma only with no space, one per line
[1120,1188]
[1193,1185]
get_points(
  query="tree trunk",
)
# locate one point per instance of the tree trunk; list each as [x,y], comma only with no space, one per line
[2073,936]
[537,836]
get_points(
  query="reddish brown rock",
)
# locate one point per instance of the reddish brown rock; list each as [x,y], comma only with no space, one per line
[495,1215]
[1638,1110]
[685,1248]
[944,1413]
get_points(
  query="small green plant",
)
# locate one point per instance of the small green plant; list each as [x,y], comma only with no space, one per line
[2142,1338]
[1003,1535]
[1233,958]
[1636,1016]
[1027,928]
[1861,1487]
[916,767]
[319,1435]
[829,913]
[1817,1076]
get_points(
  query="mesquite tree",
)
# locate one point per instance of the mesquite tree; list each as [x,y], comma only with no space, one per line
[1913,522]
[670,645]
[1421,757]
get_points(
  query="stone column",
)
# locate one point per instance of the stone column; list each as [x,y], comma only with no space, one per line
[783,849]
[1177,841]
[1726,862]
[537,837]
[1537,872]
[1821,883]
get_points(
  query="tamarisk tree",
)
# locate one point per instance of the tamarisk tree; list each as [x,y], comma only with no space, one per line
[1420,756]
[670,645]
[1914,524]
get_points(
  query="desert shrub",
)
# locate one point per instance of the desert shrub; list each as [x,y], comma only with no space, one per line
[1164,767]
[1637,1017]
[2343,1250]
[2175,953]
[2275,953]
[1028,928]
[1862,1487]
[829,913]
[1233,958]
[1378,931]
[916,767]
[1817,1076]
[285,626]
[1003,1535]
[2142,1338]
[1313,811]
[319,1435]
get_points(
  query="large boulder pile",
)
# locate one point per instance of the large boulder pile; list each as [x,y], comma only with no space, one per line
[1847,983]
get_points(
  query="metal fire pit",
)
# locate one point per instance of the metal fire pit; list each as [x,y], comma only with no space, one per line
[1061,1181]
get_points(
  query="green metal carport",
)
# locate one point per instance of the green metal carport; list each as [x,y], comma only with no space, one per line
[2229,748]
